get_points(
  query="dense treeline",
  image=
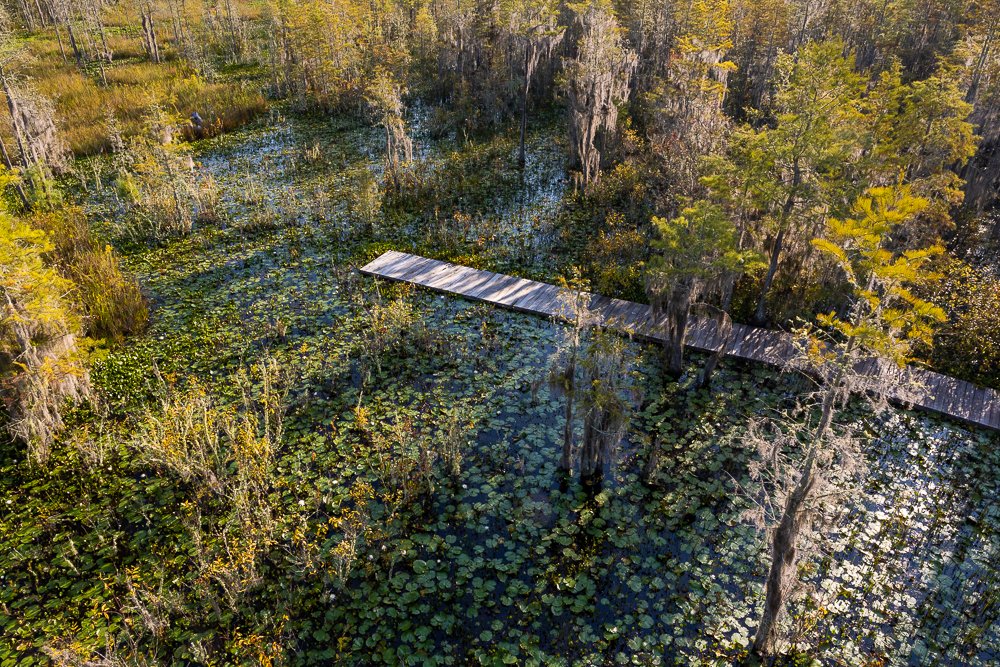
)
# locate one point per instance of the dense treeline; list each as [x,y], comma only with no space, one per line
[781,113]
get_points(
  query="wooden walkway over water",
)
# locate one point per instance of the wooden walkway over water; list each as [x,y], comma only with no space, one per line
[937,393]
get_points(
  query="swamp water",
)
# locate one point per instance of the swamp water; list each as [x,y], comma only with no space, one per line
[506,562]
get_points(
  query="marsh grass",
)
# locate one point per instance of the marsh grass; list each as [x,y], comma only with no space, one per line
[160,192]
[83,104]
[222,448]
[112,301]
[226,452]
[388,326]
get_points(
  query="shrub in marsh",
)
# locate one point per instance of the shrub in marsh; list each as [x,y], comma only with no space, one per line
[66,652]
[386,325]
[451,441]
[403,459]
[354,525]
[384,98]
[264,213]
[365,201]
[160,190]
[41,365]
[196,436]
[471,180]
[226,452]
[968,344]
[615,258]
[605,230]
[186,438]
[112,302]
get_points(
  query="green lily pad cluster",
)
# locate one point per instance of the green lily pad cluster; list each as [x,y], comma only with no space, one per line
[498,558]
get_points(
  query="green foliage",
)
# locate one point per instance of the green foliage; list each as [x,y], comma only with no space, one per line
[887,317]
[829,138]
[802,157]
[615,258]
[32,289]
[159,190]
[111,300]
[921,131]
[698,245]
[605,231]
[968,344]
[41,367]
[697,256]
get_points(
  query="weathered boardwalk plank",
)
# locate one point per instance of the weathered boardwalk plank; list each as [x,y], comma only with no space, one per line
[937,393]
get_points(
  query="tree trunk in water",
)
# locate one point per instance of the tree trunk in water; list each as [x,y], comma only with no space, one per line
[782,575]
[593,455]
[652,464]
[524,102]
[726,335]
[566,462]
[675,354]
[677,320]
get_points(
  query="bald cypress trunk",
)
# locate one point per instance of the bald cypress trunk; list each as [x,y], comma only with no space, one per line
[15,118]
[675,322]
[17,184]
[725,335]
[524,101]
[566,462]
[779,243]
[783,574]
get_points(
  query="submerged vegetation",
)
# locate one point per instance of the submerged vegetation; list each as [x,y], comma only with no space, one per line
[224,445]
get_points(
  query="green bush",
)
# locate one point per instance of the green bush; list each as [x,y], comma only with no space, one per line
[112,302]
[968,344]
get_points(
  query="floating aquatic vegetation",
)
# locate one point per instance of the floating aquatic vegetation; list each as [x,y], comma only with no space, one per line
[503,560]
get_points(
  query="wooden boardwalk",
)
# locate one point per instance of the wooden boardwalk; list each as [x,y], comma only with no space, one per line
[937,393]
